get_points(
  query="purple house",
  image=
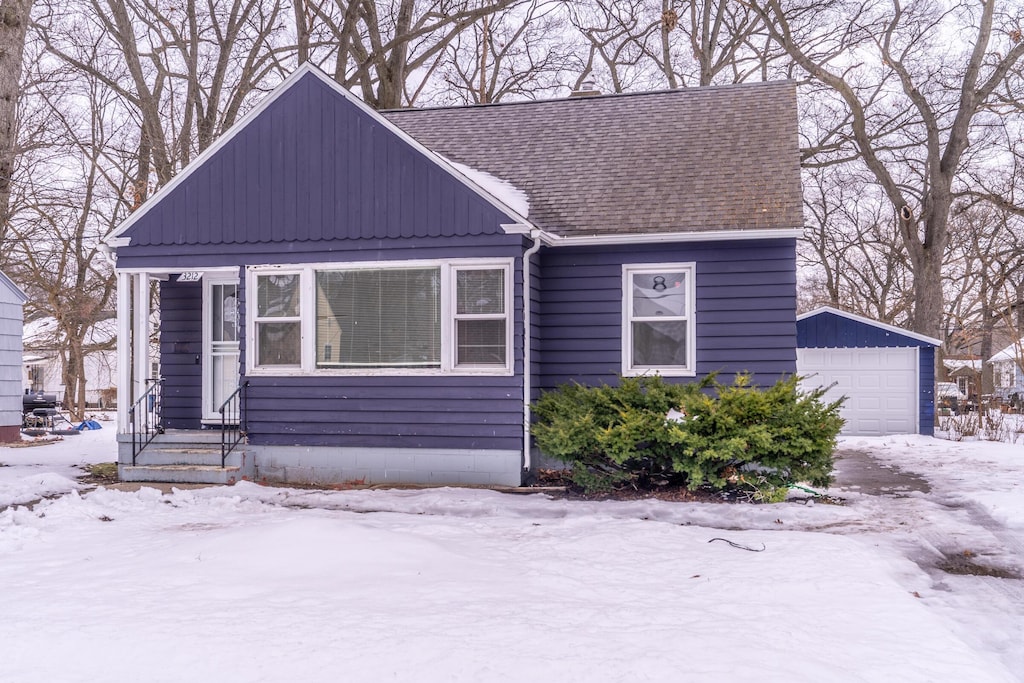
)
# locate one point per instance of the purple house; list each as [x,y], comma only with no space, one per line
[344,295]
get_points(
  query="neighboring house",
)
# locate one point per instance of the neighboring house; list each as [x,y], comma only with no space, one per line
[389,290]
[12,300]
[965,371]
[1007,373]
[44,365]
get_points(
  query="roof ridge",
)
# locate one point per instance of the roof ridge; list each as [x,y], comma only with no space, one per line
[695,90]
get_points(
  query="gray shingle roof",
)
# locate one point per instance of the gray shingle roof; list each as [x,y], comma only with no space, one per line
[690,160]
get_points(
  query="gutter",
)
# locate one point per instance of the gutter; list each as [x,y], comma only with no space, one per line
[535,235]
[554,240]
[108,253]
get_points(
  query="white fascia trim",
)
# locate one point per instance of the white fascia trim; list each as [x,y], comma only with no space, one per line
[113,239]
[157,272]
[869,321]
[405,137]
[17,291]
[553,240]
[438,159]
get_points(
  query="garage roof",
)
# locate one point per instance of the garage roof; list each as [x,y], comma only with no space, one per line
[828,327]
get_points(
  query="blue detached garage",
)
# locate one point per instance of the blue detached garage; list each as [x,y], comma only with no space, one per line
[886,373]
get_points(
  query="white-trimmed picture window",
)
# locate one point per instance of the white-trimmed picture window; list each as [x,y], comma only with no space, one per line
[658,320]
[405,317]
[386,318]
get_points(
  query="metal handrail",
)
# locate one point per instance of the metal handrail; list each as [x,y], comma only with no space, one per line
[232,421]
[145,417]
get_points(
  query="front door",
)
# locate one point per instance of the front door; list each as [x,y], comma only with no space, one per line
[220,343]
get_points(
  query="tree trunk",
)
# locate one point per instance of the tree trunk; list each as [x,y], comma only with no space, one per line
[14,15]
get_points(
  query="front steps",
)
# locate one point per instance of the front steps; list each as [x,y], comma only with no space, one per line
[183,457]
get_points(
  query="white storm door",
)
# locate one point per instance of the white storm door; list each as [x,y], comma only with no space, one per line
[220,343]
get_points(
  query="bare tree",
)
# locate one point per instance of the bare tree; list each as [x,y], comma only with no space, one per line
[74,197]
[377,45]
[915,104]
[849,258]
[184,71]
[14,20]
[620,39]
[521,52]
[982,279]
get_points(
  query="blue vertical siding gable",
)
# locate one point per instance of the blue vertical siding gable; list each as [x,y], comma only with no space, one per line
[829,330]
[313,166]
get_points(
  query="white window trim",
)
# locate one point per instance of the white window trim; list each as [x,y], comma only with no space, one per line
[251,319]
[628,270]
[451,317]
[208,414]
[307,289]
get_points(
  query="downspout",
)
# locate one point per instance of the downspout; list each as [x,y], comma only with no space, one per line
[527,365]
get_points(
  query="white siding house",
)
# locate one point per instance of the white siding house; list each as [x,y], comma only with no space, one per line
[11,301]
[1007,372]
[43,364]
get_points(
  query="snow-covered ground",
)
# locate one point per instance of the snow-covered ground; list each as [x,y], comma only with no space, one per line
[251,583]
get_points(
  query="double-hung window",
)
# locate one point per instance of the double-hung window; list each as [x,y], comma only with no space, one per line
[658,321]
[278,320]
[391,318]
[480,317]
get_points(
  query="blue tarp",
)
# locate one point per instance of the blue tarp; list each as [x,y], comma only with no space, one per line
[89,424]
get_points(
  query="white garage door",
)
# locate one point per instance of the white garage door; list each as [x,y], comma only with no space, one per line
[881,386]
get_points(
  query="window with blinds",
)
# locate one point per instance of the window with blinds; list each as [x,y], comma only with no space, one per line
[378,318]
[403,317]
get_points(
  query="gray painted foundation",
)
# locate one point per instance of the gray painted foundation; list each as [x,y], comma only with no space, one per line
[368,466]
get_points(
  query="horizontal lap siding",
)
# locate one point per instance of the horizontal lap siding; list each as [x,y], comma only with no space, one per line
[387,412]
[745,316]
[181,343]
[463,412]
[314,178]
[425,411]
[11,328]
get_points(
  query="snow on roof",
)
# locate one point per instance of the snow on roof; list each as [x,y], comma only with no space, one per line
[502,190]
[1012,352]
[961,363]
[42,332]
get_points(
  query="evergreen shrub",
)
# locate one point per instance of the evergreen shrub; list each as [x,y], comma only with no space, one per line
[738,435]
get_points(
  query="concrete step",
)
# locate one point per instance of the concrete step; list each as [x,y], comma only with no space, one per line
[183,474]
[184,456]
[161,455]
[207,437]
